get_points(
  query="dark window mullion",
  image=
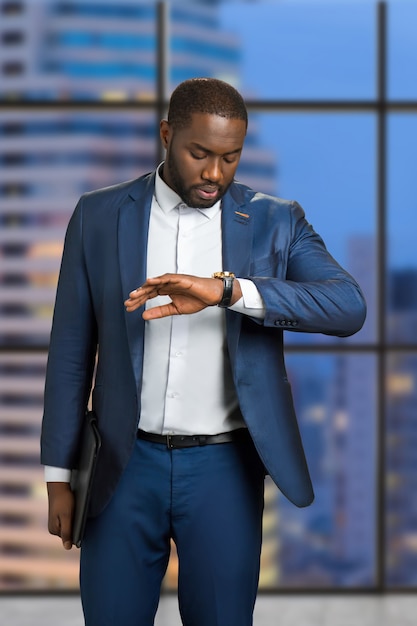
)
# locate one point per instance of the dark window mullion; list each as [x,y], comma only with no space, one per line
[381,285]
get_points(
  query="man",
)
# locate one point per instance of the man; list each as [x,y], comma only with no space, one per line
[190,390]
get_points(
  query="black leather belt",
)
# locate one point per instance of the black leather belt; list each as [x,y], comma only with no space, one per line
[189,441]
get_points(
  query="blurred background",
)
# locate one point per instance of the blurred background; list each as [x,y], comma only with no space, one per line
[332,96]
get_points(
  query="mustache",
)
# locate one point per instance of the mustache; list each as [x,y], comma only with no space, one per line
[208,188]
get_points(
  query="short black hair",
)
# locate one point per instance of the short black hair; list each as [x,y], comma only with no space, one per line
[205,95]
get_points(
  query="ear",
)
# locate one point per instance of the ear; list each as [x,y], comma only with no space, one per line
[165,133]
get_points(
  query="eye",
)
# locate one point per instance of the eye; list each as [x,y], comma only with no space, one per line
[198,157]
[230,159]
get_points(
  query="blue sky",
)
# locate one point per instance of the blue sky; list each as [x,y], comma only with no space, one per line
[294,50]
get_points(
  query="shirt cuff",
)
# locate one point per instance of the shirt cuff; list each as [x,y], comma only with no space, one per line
[251,302]
[57,474]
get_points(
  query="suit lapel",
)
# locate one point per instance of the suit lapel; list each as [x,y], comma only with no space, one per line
[237,234]
[132,242]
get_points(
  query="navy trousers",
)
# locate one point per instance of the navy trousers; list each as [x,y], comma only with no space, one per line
[209,500]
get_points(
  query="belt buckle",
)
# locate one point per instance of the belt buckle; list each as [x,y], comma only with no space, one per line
[170,445]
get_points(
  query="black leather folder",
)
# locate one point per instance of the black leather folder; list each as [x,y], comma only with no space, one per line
[82,477]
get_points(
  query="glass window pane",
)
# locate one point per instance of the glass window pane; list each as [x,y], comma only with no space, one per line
[402,50]
[79,50]
[401,470]
[401,229]
[199,45]
[332,542]
[30,558]
[327,163]
[47,160]
[308,50]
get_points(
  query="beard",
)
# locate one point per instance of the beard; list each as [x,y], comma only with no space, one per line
[189,194]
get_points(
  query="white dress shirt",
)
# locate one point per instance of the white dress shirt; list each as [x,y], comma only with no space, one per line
[187,385]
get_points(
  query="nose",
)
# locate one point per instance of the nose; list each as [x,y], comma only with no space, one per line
[212,170]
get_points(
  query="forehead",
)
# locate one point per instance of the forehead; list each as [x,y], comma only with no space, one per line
[216,133]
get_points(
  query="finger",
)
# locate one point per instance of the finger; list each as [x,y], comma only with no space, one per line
[138,298]
[146,290]
[151,283]
[66,532]
[168,282]
[54,527]
[164,278]
[132,306]
[158,312]
[138,294]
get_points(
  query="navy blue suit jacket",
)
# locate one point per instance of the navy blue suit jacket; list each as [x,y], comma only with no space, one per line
[265,239]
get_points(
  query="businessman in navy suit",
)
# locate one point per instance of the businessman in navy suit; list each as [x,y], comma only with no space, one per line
[173,296]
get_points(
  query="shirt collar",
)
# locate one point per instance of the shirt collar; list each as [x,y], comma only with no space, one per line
[169,200]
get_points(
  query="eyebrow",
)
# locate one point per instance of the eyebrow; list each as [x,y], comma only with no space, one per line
[200,147]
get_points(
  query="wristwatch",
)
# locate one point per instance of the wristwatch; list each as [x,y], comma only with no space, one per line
[228,279]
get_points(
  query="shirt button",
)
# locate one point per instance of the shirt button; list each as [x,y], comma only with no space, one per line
[173,394]
[178,354]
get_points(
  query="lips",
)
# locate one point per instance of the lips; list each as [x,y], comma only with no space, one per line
[208,193]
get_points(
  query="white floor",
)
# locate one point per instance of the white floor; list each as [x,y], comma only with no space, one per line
[286,610]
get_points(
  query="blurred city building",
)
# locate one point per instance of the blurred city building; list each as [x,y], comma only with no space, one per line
[401,481]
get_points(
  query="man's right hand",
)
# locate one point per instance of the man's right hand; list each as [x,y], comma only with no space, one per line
[61,509]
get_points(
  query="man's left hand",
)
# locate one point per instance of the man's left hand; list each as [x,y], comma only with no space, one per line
[189,294]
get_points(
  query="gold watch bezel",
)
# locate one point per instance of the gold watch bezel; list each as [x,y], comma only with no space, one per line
[223,275]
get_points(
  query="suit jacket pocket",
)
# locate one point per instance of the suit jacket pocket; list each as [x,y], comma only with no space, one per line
[270,265]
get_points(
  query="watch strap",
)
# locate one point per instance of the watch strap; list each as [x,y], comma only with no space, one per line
[228,280]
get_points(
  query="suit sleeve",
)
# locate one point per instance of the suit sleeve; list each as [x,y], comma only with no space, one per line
[315,294]
[72,353]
